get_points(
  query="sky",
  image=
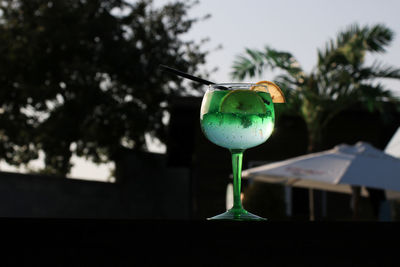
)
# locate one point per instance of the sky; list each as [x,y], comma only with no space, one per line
[300,27]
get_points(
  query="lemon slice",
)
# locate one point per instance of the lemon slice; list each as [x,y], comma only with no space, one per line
[242,102]
[273,89]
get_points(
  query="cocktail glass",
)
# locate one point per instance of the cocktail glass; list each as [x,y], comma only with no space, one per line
[237,116]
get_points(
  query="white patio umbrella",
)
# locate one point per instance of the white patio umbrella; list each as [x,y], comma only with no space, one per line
[336,169]
[393,147]
[359,165]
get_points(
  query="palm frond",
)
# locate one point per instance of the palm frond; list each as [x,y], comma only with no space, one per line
[242,67]
[378,37]
[283,60]
[352,44]
[254,62]
[379,70]
[372,96]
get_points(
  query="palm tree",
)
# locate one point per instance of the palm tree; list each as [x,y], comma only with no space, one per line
[339,80]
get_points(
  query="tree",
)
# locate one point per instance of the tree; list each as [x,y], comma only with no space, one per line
[339,80]
[81,77]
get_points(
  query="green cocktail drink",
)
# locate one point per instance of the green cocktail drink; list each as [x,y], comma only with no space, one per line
[237,117]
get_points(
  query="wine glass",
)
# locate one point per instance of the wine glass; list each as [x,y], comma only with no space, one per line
[237,116]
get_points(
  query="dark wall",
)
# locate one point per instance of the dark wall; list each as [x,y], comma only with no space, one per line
[147,190]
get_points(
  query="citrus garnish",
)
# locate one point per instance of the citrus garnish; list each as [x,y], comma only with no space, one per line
[242,102]
[273,89]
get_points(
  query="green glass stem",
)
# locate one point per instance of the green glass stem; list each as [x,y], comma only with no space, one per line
[237,212]
[237,157]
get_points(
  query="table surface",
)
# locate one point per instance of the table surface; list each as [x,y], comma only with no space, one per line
[121,242]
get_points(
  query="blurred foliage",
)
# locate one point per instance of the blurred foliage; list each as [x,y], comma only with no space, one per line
[340,79]
[81,77]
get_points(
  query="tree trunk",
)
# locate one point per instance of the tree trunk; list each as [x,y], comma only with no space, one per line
[314,138]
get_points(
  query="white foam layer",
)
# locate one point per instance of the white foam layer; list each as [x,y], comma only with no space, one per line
[235,136]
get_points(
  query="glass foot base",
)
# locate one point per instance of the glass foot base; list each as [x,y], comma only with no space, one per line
[237,215]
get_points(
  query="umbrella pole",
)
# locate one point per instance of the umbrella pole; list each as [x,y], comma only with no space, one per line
[355,201]
[311,204]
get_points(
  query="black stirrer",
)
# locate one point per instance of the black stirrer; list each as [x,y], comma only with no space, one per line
[186,75]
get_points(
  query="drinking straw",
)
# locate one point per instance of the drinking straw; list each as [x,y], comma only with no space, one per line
[186,75]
